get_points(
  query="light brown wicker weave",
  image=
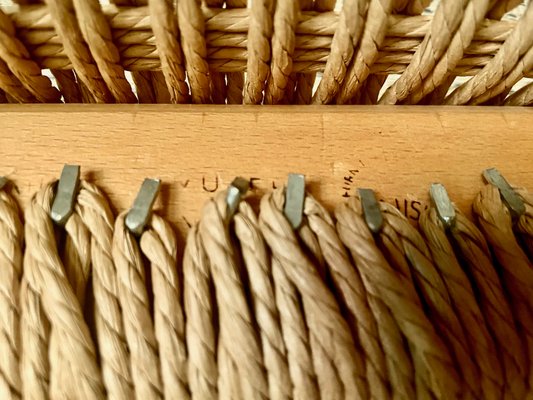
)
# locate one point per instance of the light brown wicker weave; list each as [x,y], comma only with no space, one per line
[265,51]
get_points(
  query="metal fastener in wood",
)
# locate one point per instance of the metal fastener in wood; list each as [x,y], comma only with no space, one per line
[371,209]
[294,200]
[139,214]
[67,189]
[443,204]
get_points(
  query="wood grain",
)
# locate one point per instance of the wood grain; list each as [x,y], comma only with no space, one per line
[196,150]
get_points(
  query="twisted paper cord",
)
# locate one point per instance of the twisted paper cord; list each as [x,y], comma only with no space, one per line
[227,28]
[143,86]
[495,222]
[229,384]
[96,32]
[434,294]
[11,242]
[259,34]
[146,82]
[135,304]
[444,24]
[333,351]
[502,88]
[465,303]
[399,363]
[12,86]
[352,295]
[400,296]
[93,208]
[77,265]
[86,94]
[145,91]
[500,7]
[397,374]
[66,82]
[237,333]
[411,7]
[158,244]
[217,79]
[524,225]
[67,28]
[303,92]
[390,244]
[76,256]
[474,14]
[17,57]
[35,26]
[200,327]
[162,94]
[218,87]
[509,57]
[477,258]
[257,263]
[295,335]
[522,97]
[35,333]
[191,27]
[304,83]
[346,37]
[44,271]
[367,53]
[310,244]
[235,80]
[283,41]
[165,28]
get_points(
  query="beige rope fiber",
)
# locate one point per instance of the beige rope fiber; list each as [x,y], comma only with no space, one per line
[97,35]
[259,271]
[46,276]
[96,214]
[13,52]
[399,295]
[237,335]
[11,242]
[334,358]
[465,304]
[443,27]
[514,53]
[397,231]
[474,251]
[352,295]
[200,328]
[76,260]
[474,14]
[372,38]
[516,270]
[158,244]
[166,33]
[191,25]
[258,309]
[270,52]
[34,332]
[135,304]
[12,86]
[283,39]
[524,225]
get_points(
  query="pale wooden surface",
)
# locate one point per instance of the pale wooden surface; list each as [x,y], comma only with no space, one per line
[398,151]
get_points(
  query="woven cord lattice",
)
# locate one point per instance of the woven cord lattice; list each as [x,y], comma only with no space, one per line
[198,52]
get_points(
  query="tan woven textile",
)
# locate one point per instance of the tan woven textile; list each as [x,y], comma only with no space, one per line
[266,52]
